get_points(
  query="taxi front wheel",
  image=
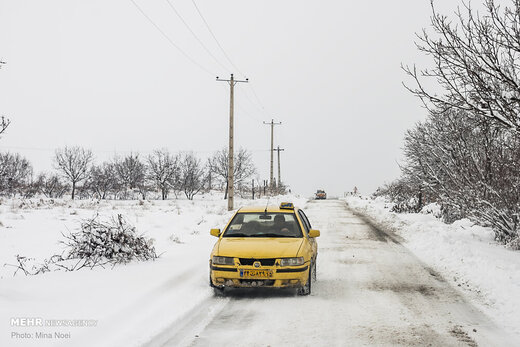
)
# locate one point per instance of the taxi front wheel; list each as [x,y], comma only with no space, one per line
[217,291]
[306,289]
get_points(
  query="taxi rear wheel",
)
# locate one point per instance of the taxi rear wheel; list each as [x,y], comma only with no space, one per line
[306,289]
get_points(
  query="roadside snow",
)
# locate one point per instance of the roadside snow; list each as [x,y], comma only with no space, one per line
[128,303]
[464,253]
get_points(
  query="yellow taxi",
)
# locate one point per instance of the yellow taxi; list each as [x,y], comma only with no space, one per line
[272,246]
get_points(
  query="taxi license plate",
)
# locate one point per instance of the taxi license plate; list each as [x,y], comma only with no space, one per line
[256,273]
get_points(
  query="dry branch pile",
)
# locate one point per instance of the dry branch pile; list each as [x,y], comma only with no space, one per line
[98,243]
[114,242]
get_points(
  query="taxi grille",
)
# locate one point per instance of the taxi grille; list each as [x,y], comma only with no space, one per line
[263,262]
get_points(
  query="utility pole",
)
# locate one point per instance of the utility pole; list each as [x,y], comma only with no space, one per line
[231,168]
[278,149]
[271,177]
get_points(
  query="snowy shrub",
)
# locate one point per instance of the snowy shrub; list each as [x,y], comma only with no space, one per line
[468,167]
[433,209]
[406,195]
[98,243]
[114,241]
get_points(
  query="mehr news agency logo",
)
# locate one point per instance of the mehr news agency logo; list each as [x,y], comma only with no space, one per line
[40,322]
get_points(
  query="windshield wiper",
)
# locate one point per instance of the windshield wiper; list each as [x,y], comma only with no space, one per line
[236,235]
[268,235]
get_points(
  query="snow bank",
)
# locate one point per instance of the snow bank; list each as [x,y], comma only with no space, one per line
[462,252]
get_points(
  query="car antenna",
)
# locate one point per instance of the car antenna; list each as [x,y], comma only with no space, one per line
[265,211]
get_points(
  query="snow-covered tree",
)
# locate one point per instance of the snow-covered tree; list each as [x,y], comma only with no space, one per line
[51,185]
[164,171]
[131,173]
[192,175]
[476,62]
[15,173]
[103,180]
[74,164]
[244,167]
[468,166]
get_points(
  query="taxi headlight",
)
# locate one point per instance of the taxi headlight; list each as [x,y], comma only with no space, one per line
[223,260]
[292,261]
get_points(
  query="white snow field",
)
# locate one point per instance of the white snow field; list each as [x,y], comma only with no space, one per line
[371,289]
[129,303]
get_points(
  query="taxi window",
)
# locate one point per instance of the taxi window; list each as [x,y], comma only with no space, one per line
[305,220]
[260,224]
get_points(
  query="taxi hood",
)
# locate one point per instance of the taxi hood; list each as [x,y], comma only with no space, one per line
[255,247]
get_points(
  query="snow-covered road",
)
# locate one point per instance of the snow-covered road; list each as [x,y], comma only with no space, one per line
[370,291]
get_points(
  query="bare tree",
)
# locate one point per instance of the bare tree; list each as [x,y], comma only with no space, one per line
[476,62]
[164,171]
[103,180]
[51,185]
[131,172]
[74,164]
[4,123]
[192,175]
[468,166]
[244,167]
[15,173]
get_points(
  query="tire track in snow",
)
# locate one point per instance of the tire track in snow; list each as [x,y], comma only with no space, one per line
[186,329]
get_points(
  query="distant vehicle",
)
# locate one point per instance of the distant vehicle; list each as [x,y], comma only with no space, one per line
[321,195]
[272,246]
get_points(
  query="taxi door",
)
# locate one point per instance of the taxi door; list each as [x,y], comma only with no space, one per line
[307,226]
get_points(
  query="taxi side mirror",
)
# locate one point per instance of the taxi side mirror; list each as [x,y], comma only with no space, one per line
[215,232]
[314,233]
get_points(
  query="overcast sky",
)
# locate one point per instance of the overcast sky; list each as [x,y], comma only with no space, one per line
[98,74]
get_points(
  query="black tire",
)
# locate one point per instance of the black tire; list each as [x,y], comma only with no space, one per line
[210,282]
[306,289]
[217,291]
[314,272]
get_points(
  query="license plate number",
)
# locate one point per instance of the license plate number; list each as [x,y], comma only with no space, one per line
[256,273]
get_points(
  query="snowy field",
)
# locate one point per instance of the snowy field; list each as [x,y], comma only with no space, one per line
[127,304]
[464,253]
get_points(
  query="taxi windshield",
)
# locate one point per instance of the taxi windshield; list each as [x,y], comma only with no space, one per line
[260,224]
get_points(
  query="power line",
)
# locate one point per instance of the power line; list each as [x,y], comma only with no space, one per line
[227,56]
[215,38]
[170,40]
[252,103]
[244,110]
[195,35]
[257,98]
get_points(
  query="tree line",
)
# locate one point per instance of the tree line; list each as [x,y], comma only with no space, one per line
[466,155]
[123,177]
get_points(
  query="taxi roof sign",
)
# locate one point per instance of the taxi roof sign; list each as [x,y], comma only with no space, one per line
[286,206]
